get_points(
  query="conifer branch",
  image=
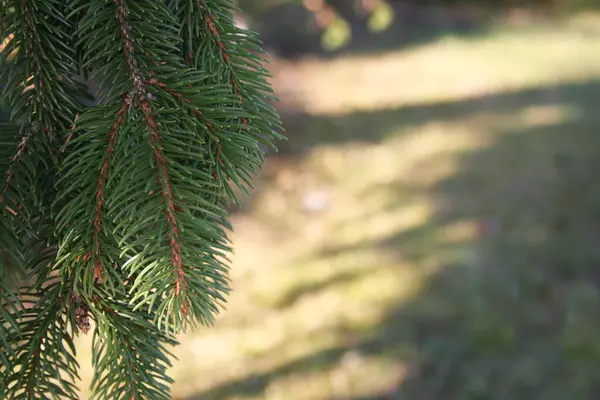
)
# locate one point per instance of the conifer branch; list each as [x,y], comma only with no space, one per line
[102,179]
[160,161]
[42,96]
[173,177]
[44,346]
[236,53]
[127,348]
[116,211]
[21,148]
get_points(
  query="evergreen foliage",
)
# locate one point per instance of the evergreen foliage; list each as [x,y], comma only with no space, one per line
[113,197]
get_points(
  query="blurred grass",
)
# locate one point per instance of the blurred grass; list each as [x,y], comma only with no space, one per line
[432,232]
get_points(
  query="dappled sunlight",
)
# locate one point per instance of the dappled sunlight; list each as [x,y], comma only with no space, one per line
[423,235]
[546,116]
[379,226]
[372,254]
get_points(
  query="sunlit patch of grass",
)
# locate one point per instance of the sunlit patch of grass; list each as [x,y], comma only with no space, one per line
[453,68]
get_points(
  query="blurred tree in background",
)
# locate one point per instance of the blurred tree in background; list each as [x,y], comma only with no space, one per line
[297,26]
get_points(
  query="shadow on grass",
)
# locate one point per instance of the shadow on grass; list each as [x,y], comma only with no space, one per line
[374,126]
[518,318]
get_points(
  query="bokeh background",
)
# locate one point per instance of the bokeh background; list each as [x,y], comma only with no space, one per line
[431,229]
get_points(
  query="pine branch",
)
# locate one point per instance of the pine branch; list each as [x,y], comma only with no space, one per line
[212,41]
[10,304]
[44,349]
[39,83]
[10,258]
[89,252]
[116,211]
[43,97]
[130,354]
[39,90]
[155,122]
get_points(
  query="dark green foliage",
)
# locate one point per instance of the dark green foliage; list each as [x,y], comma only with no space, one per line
[127,345]
[112,201]
[43,346]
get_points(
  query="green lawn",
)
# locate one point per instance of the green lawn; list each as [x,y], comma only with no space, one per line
[453,247]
